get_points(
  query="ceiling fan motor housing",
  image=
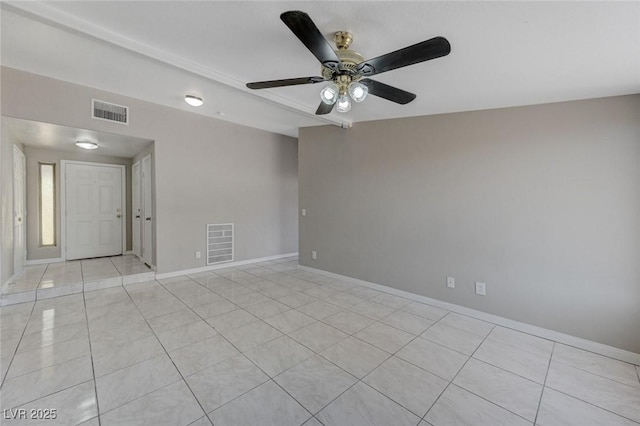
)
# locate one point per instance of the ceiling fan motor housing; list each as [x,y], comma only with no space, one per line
[348,59]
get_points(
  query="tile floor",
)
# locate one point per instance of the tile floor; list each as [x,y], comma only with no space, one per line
[268,344]
[63,278]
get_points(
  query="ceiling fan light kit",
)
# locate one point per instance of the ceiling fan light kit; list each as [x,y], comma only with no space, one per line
[344,104]
[358,91]
[347,71]
[329,95]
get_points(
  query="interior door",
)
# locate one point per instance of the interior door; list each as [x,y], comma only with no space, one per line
[147,211]
[19,211]
[136,210]
[93,210]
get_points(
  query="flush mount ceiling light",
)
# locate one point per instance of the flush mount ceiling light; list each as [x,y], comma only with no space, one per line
[86,144]
[193,100]
[347,71]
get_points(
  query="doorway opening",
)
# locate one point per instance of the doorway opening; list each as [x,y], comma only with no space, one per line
[92,195]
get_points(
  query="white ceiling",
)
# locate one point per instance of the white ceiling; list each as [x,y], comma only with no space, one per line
[503,53]
[62,138]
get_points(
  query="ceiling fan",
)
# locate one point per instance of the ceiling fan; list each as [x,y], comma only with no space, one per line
[347,70]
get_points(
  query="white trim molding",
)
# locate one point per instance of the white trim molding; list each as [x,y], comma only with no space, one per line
[577,342]
[222,266]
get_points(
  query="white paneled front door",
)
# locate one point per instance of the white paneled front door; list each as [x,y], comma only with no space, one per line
[94,210]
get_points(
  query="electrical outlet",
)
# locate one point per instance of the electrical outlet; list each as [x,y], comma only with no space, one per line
[451,282]
[304,212]
[481,289]
[314,255]
[198,255]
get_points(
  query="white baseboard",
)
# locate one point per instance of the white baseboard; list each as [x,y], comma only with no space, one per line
[128,252]
[43,261]
[588,345]
[221,266]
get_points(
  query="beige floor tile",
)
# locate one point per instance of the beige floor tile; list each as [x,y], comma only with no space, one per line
[315,382]
[355,356]
[385,337]
[363,406]
[222,382]
[265,405]
[171,405]
[456,406]
[278,355]
[318,336]
[408,385]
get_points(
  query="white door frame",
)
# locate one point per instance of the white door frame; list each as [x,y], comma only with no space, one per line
[63,202]
[136,198]
[19,261]
[147,252]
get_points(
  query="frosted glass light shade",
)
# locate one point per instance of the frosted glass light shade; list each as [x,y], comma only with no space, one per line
[358,91]
[344,104]
[329,94]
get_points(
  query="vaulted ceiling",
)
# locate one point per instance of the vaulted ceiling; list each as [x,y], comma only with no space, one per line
[503,53]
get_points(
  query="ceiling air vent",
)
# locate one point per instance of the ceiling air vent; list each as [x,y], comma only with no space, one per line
[109,112]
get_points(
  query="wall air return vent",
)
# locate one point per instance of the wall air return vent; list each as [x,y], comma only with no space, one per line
[219,243]
[102,110]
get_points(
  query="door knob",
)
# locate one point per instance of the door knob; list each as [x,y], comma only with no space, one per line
[19,219]
[137,216]
[147,218]
[118,215]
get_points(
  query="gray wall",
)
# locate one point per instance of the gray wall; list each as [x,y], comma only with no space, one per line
[542,203]
[39,155]
[207,170]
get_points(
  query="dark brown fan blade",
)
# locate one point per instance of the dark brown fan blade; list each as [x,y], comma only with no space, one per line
[285,82]
[324,108]
[430,49]
[387,92]
[303,27]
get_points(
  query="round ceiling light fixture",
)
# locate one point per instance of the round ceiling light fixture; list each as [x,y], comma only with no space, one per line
[86,144]
[193,100]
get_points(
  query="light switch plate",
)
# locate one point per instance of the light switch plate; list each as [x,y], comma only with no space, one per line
[481,289]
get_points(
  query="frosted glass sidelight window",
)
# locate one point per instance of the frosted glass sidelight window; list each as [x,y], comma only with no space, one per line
[47,205]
